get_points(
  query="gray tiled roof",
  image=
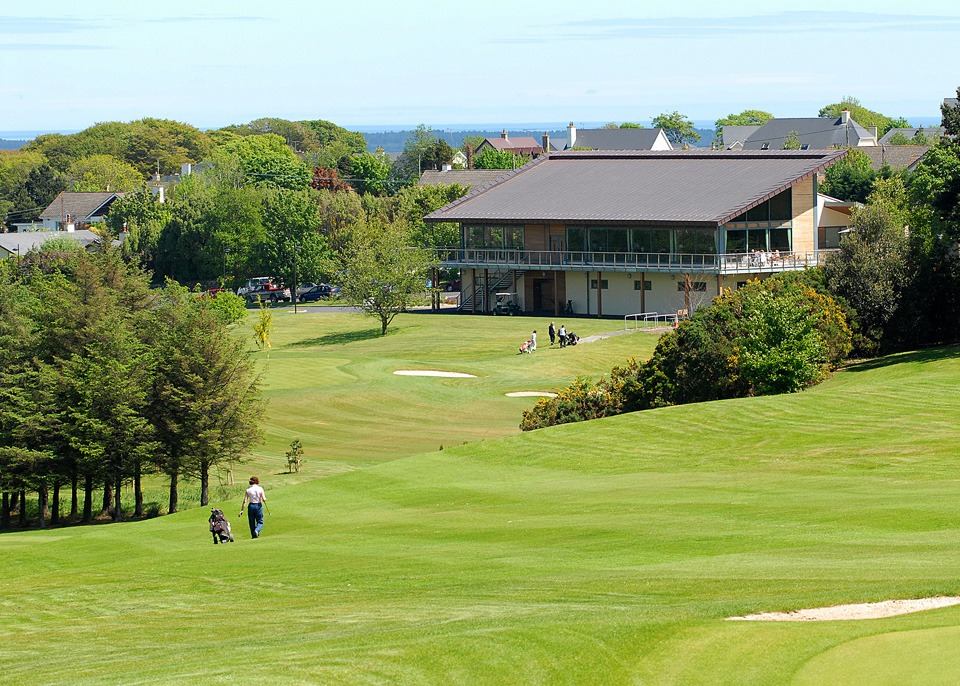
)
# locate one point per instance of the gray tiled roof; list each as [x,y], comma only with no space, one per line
[80,206]
[929,131]
[691,188]
[616,139]
[734,134]
[899,157]
[474,178]
[819,133]
[521,144]
[31,239]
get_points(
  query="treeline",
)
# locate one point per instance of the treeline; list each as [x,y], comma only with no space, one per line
[895,282]
[104,380]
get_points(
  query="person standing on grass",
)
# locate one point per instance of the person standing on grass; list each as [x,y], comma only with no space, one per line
[533,340]
[552,332]
[256,498]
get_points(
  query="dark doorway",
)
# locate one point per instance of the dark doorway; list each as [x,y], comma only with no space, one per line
[544,298]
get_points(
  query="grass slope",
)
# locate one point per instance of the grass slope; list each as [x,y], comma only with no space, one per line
[601,553]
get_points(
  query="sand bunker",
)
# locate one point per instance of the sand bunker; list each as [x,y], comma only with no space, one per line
[429,372]
[885,608]
[531,394]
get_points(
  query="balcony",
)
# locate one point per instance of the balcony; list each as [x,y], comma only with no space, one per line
[670,263]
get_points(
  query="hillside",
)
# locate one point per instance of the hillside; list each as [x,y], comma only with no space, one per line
[605,552]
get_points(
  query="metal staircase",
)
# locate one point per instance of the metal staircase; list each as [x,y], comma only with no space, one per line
[499,280]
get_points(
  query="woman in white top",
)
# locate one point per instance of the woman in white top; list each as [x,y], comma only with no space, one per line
[256,498]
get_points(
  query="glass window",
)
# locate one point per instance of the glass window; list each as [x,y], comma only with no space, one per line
[514,237]
[736,241]
[599,241]
[474,237]
[781,208]
[576,239]
[642,285]
[603,284]
[617,240]
[757,239]
[760,213]
[780,240]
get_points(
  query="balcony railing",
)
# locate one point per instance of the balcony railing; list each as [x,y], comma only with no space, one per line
[727,263]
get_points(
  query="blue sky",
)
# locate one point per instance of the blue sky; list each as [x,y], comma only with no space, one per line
[66,64]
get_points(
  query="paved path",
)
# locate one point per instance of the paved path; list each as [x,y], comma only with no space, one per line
[601,336]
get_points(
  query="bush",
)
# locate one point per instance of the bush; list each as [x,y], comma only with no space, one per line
[775,336]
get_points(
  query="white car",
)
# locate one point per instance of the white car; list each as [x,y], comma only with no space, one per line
[254,284]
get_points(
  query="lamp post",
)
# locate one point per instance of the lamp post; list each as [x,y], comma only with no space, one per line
[296,281]
[223,280]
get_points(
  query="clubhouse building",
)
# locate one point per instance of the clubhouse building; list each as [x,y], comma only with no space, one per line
[627,232]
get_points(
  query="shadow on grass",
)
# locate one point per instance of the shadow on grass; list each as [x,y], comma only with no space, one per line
[338,338]
[917,356]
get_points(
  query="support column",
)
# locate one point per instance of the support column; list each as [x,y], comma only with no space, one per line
[643,291]
[599,294]
[473,286]
[486,290]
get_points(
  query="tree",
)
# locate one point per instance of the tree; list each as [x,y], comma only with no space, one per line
[745,118]
[292,222]
[491,158]
[415,202]
[951,116]
[328,133]
[850,179]
[205,402]
[139,217]
[860,114]
[380,272]
[103,174]
[792,141]
[871,271]
[678,128]
[328,179]
[370,173]
[267,161]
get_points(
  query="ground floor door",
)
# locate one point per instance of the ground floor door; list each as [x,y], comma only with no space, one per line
[544,295]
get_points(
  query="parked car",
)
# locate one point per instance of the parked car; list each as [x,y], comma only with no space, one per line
[306,286]
[253,283]
[319,292]
[270,292]
[450,286]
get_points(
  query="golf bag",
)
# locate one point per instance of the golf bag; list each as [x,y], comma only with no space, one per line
[220,527]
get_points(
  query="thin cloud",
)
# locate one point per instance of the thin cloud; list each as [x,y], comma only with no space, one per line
[781,22]
[192,20]
[47,47]
[41,25]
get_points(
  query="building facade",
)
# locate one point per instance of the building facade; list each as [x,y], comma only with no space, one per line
[620,233]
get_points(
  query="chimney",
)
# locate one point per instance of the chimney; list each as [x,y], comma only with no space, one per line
[545,141]
[845,117]
[571,136]
[469,155]
[504,134]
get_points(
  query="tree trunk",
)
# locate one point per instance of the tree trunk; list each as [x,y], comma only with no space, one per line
[204,484]
[107,498]
[42,506]
[23,508]
[55,507]
[87,498]
[74,503]
[117,510]
[15,502]
[137,493]
[174,495]
[5,511]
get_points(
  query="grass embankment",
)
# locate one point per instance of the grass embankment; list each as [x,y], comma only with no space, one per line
[606,552]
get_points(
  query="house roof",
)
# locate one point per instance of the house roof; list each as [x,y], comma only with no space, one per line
[519,144]
[897,156]
[929,131]
[616,139]
[80,206]
[474,178]
[735,134]
[703,188]
[22,243]
[818,133]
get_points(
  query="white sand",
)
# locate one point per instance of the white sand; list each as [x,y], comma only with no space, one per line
[428,372]
[885,608]
[531,394]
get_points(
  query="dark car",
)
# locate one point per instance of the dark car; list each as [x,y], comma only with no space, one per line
[319,292]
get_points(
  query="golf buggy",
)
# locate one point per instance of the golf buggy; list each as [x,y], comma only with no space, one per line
[506,303]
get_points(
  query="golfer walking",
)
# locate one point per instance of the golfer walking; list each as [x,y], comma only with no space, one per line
[256,498]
